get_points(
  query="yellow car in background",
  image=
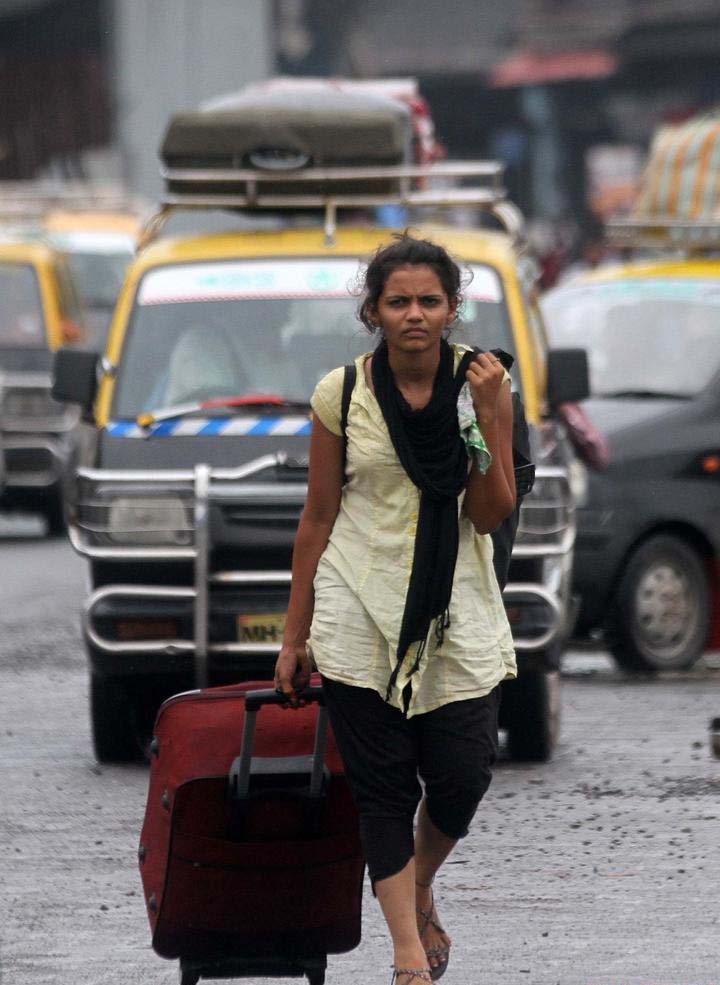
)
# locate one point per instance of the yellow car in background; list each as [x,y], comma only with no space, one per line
[39,312]
[98,246]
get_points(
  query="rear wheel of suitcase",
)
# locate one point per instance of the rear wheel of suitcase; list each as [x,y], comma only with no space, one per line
[316,977]
[188,976]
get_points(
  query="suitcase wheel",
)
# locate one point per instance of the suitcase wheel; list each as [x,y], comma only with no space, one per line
[188,976]
[316,977]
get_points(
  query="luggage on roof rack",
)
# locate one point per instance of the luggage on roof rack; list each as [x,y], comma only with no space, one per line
[678,206]
[321,147]
[682,177]
[285,131]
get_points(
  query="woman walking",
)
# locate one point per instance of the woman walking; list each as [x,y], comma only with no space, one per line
[393,596]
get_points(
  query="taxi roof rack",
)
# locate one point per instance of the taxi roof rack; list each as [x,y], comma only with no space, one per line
[32,200]
[691,235]
[258,190]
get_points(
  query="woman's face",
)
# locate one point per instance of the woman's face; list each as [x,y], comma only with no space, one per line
[413,310]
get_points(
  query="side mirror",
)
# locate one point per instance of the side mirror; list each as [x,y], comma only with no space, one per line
[568,379]
[75,378]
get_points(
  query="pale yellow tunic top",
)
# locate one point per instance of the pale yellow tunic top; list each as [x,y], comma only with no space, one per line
[363,575]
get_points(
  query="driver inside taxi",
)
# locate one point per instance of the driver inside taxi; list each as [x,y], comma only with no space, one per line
[203,365]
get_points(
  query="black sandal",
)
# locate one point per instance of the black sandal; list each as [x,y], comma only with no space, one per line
[434,952]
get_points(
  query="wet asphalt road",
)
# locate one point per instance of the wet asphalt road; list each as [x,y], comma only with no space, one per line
[599,868]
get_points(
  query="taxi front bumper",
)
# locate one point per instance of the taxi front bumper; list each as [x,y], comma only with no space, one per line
[37,433]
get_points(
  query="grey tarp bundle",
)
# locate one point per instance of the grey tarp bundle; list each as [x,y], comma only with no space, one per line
[260,130]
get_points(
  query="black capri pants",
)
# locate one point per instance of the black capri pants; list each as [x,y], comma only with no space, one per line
[452,749]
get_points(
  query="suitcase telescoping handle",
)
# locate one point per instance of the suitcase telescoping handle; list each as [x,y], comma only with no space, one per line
[243,766]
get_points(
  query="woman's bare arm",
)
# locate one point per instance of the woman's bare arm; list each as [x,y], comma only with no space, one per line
[292,670]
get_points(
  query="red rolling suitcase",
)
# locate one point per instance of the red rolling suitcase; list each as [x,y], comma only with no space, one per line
[249,854]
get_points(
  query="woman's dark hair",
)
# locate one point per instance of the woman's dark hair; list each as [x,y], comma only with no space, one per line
[404,251]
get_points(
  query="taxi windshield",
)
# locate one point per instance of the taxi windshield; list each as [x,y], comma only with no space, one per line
[99,276]
[210,330]
[646,337]
[22,325]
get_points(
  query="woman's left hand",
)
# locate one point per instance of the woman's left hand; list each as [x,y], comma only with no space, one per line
[485,376]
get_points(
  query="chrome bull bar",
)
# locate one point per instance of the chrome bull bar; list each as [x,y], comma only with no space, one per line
[231,485]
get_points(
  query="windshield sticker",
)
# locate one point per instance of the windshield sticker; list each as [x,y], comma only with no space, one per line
[263,279]
[669,288]
[181,283]
[220,426]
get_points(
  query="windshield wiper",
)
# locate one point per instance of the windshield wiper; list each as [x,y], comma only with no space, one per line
[251,400]
[644,395]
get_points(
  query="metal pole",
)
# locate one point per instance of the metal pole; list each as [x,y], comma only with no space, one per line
[202,588]
[330,222]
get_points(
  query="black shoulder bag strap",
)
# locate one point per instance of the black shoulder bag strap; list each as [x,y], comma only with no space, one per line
[348,386]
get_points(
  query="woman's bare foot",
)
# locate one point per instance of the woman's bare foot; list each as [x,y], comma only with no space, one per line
[434,939]
[410,956]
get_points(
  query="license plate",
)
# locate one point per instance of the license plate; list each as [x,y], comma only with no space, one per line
[261,628]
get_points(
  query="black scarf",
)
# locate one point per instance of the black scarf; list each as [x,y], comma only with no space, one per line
[432,452]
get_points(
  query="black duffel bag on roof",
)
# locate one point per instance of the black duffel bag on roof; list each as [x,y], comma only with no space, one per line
[286,130]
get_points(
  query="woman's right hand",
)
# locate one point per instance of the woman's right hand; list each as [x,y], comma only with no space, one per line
[292,671]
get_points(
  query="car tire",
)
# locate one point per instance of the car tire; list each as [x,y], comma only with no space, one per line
[113,720]
[531,714]
[660,616]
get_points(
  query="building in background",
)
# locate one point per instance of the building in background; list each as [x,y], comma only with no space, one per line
[566,92]
[55,95]
[86,86]
[169,55]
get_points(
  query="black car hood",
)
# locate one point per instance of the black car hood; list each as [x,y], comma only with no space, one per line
[614,415]
[651,433]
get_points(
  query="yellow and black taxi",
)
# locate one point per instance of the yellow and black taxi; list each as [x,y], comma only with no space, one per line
[187,504]
[39,312]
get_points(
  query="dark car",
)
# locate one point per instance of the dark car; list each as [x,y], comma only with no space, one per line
[648,538]
[39,311]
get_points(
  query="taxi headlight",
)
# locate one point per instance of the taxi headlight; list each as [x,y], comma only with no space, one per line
[546,512]
[161,520]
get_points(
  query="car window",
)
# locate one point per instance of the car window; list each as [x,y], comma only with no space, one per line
[642,336]
[99,276]
[22,324]
[206,330]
